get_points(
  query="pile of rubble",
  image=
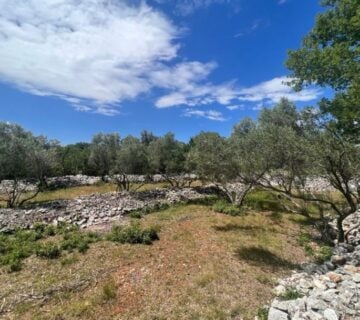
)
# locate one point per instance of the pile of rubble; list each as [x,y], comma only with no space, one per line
[94,209]
[330,291]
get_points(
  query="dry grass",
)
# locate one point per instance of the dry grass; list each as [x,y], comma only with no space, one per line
[205,266]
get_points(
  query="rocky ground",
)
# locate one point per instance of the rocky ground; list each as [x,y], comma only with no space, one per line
[94,209]
[330,291]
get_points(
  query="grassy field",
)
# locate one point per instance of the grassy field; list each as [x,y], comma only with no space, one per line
[206,265]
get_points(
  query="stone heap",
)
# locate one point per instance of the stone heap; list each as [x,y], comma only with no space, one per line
[330,291]
[94,209]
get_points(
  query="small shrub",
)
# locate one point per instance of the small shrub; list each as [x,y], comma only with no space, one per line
[224,207]
[49,251]
[136,214]
[263,313]
[14,266]
[262,200]
[266,280]
[83,247]
[109,290]
[132,234]
[291,294]
[50,230]
[323,254]
[78,240]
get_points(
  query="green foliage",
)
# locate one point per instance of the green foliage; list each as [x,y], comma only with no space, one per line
[48,250]
[208,157]
[136,214]
[78,240]
[103,152]
[133,234]
[291,294]
[109,291]
[323,254]
[329,56]
[23,243]
[263,313]
[159,206]
[225,207]
[166,155]
[304,240]
[263,200]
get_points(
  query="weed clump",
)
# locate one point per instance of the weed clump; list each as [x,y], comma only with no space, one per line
[224,207]
[291,294]
[48,250]
[133,234]
[263,313]
[109,291]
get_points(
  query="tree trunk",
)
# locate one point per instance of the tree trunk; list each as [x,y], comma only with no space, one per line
[341,233]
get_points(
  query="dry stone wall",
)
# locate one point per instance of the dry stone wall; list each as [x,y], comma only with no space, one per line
[331,291]
[94,209]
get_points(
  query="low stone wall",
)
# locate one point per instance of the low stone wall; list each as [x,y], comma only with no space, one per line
[331,290]
[81,180]
[94,209]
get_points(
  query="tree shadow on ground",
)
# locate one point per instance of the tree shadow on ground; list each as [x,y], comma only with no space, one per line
[236,227]
[263,258]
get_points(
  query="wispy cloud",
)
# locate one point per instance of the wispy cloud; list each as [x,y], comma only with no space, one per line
[255,25]
[208,114]
[280,2]
[235,107]
[228,94]
[187,7]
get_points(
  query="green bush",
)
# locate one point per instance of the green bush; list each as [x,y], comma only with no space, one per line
[263,313]
[109,290]
[224,207]
[133,234]
[263,200]
[136,214]
[291,294]
[48,250]
[14,266]
[323,254]
[23,243]
[78,240]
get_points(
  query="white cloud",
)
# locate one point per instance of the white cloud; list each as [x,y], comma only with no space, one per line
[97,53]
[275,89]
[187,7]
[208,114]
[102,51]
[280,2]
[228,94]
[235,107]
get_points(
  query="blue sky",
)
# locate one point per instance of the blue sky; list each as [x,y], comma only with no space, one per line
[69,69]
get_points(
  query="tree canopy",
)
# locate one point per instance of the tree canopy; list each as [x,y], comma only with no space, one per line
[329,56]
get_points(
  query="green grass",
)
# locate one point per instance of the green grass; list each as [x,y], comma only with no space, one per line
[133,234]
[291,294]
[225,207]
[49,242]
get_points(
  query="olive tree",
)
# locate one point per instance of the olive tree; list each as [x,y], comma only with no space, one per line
[103,153]
[212,158]
[291,155]
[167,157]
[23,158]
[131,159]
